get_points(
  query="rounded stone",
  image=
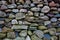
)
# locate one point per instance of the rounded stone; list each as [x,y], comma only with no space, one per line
[42,27]
[30,33]
[45,9]
[2,35]
[52,31]
[39,33]
[19,38]
[15,10]
[23,33]
[53,19]
[28,38]
[7,39]
[47,22]
[11,16]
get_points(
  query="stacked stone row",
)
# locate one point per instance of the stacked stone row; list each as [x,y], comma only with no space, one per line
[29,20]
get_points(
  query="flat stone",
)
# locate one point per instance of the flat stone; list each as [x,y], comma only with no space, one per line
[11,16]
[15,10]
[11,35]
[53,19]
[2,35]
[2,22]
[34,37]
[45,9]
[23,33]
[32,28]
[42,27]
[7,39]
[20,16]
[47,37]
[35,9]
[26,22]
[4,7]
[40,5]
[28,38]
[2,14]
[19,27]
[47,22]
[14,21]
[19,38]
[57,15]
[23,10]
[20,22]
[30,33]
[52,31]
[39,33]
[32,4]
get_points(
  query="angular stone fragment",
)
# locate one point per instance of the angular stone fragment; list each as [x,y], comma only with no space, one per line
[45,9]
[19,27]
[23,33]
[11,35]
[39,33]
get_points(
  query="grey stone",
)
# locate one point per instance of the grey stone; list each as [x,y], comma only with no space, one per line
[47,22]
[45,9]
[15,10]
[11,35]
[7,39]
[2,35]
[23,33]
[23,10]
[28,38]
[19,27]
[19,38]
[39,33]
[20,15]
[35,9]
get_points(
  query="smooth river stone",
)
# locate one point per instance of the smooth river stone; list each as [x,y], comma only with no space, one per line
[28,38]
[23,33]
[45,9]
[14,21]
[19,27]
[15,10]
[47,22]
[39,33]
[23,10]
[29,32]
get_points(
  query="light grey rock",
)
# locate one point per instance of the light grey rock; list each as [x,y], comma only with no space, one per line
[20,15]
[28,38]
[19,27]
[47,22]
[39,33]
[20,22]
[35,9]
[23,33]
[45,9]
[19,38]
[2,22]
[7,39]
[23,10]
[11,16]
[15,10]
[11,35]
[14,21]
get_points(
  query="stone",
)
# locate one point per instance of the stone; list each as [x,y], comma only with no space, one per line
[45,9]
[30,13]
[11,35]
[4,7]
[40,5]
[2,22]
[14,21]
[26,22]
[12,6]
[53,19]
[20,6]
[23,10]
[50,15]
[11,16]
[59,9]
[23,33]
[29,32]
[28,38]
[35,9]
[47,22]
[32,4]
[54,38]
[20,16]
[34,37]
[15,10]
[52,31]
[7,19]
[36,14]
[7,39]
[57,15]
[39,33]
[42,27]
[45,31]
[47,37]
[19,27]
[20,22]
[32,28]
[2,14]
[52,4]
[2,35]
[19,38]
